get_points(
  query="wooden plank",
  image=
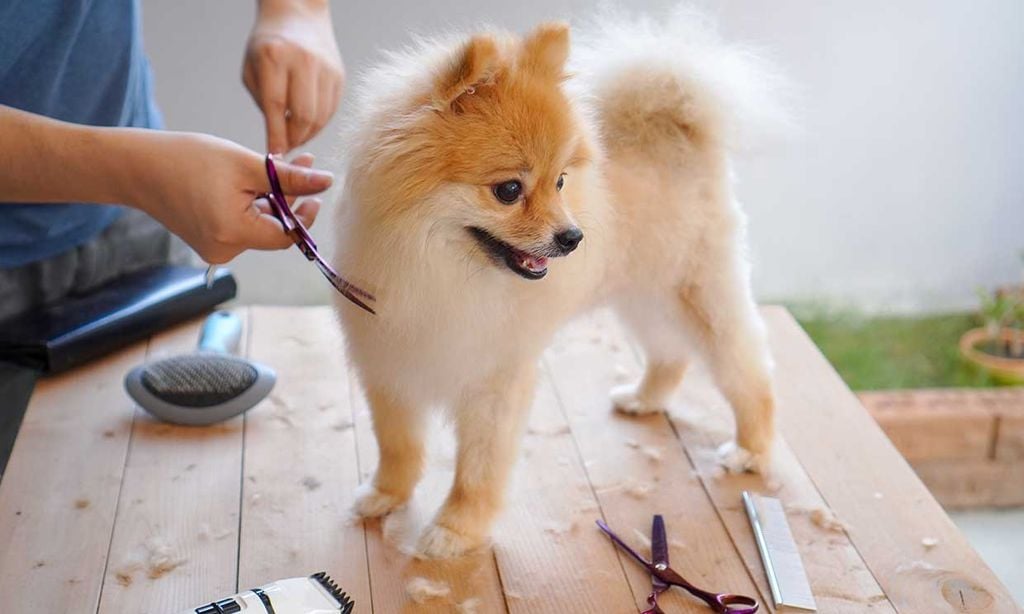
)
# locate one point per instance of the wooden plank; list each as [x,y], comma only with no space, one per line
[1010,437]
[638,468]
[933,424]
[702,419]
[977,483]
[839,578]
[299,462]
[551,556]
[59,493]
[1008,406]
[849,459]
[175,542]
[472,579]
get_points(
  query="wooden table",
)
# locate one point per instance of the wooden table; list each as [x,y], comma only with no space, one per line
[103,509]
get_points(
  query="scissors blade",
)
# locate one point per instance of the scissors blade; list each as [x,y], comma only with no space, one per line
[346,289]
[659,551]
[624,546]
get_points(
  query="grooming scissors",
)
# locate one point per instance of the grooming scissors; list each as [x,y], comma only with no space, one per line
[664,577]
[298,233]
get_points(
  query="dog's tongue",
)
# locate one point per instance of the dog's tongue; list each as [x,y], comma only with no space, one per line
[533,263]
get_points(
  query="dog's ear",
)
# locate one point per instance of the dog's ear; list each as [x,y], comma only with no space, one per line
[474,64]
[546,50]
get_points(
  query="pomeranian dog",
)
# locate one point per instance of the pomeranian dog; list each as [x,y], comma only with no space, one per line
[495,188]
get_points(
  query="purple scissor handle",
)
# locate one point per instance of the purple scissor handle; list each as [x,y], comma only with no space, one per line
[663,576]
[298,233]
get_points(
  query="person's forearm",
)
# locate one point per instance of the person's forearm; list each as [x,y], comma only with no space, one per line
[277,6]
[45,160]
[202,188]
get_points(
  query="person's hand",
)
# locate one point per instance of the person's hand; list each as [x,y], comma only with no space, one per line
[293,70]
[204,189]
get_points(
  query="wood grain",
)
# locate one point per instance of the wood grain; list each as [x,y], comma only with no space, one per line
[976,483]
[839,578]
[59,493]
[551,556]
[172,549]
[299,464]
[849,459]
[1009,445]
[638,468]
[933,424]
[303,451]
[391,541]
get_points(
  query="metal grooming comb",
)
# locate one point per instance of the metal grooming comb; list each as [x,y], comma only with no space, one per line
[786,575]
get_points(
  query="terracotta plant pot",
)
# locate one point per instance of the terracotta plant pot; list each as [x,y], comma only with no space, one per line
[1004,369]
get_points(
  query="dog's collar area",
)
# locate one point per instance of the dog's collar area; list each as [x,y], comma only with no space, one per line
[522,263]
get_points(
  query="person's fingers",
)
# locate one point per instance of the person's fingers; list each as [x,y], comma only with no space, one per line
[249,80]
[308,210]
[326,104]
[265,232]
[304,159]
[337,88]
[273,95]
[302,104]
[298,180]
[263,206]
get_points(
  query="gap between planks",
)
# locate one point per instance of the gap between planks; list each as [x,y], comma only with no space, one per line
[300,459]
[700,421]
[170,548]
[638,468]
[57,509]
[390,541]
[813,401]
[585,410]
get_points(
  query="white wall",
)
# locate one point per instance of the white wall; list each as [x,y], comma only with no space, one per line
[906,190]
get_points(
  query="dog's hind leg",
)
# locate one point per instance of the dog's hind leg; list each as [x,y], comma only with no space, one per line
[400,432]
[489,424]
[653,392]
[723,317]
[712,316]
[655,324]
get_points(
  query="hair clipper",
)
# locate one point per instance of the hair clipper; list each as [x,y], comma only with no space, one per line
[317,594]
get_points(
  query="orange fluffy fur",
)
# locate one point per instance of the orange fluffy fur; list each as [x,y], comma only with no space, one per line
[642,145]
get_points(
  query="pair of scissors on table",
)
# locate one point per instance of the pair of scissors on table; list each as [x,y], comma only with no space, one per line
[298,233]
[664,577]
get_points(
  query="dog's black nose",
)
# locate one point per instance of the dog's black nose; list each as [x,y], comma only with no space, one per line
[568,239]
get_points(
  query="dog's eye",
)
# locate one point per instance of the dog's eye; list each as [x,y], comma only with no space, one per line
[560,183]
[508,192]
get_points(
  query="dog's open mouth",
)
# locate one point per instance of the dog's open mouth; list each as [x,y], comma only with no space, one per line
[523,263]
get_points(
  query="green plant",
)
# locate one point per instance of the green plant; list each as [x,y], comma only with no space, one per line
[998,309]
[1002,312]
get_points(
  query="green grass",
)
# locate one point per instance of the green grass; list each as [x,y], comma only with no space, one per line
[882,353]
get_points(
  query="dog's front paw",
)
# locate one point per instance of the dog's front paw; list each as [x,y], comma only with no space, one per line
[737,459]
[372,503]
[628,400]
[439,542]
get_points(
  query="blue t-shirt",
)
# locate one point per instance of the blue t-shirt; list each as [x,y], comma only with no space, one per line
[79,61]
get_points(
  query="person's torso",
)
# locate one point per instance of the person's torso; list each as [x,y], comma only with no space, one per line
[79,61]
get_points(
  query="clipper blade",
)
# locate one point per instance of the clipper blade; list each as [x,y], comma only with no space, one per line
[345,603]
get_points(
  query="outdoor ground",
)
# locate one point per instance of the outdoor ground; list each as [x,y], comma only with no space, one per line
[883,353]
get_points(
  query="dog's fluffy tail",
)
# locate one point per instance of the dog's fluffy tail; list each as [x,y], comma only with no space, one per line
[675,83]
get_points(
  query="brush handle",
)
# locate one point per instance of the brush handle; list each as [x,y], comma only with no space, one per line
[221,333]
